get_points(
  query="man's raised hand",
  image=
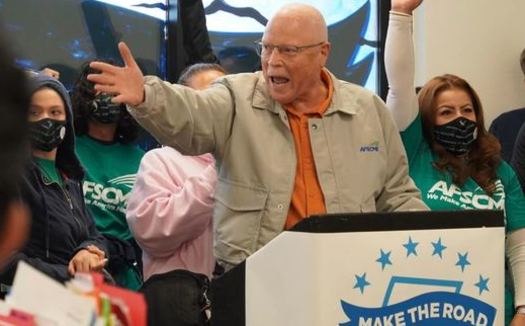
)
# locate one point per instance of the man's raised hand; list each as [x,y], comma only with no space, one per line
[125,83]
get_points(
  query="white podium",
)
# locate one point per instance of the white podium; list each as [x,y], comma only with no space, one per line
[416,268]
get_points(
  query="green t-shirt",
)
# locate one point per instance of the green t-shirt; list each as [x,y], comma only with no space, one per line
[49,170]
[440,193]
[111,171]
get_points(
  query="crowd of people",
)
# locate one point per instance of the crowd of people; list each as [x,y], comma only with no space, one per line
[246,157]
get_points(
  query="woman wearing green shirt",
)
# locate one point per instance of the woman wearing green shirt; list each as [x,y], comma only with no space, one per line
[105,133]
[453,160]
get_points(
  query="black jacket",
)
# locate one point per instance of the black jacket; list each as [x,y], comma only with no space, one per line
[61,225]
[518,156]
[506,127]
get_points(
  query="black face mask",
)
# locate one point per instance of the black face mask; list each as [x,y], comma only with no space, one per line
[456,136]
[105,111]
[47,134]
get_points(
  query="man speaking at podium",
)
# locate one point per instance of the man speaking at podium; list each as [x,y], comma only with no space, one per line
[290,141]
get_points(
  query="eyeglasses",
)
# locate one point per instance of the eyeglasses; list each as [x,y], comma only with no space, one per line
[265,50]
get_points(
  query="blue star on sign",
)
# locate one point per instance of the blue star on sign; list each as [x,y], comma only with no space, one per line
[411,247]
[384,259]
[438,248]
[462,261]
[361,282]
[483,284]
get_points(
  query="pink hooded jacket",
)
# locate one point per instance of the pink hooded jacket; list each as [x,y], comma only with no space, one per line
[170,211]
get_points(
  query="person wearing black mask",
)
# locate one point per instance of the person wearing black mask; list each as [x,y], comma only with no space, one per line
[452,158]
[105,133]
[63,239]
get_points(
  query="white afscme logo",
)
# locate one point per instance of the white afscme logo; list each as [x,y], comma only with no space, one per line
[101,195]
[441,191]
[127,180]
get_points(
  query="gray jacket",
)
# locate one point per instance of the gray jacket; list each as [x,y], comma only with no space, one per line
[360,160]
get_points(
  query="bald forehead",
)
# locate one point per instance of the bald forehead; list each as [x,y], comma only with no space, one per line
[302,17]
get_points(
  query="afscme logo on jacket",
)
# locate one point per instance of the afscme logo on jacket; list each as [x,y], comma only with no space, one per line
[452,194]
[372,147]
[110,198]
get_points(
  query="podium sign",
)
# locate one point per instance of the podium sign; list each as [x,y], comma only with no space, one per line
[425,268]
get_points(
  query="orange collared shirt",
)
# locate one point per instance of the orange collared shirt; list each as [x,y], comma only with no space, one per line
[307,196]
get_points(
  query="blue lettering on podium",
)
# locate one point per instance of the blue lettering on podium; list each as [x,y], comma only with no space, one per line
[429,309]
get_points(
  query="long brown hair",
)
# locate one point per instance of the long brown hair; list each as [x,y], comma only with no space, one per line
[483,158]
